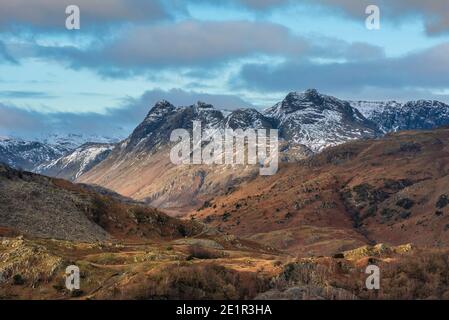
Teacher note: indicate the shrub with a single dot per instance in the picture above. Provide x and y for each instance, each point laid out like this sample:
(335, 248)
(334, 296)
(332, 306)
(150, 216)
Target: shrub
(18, 280)
(195, 282)
(199, 252)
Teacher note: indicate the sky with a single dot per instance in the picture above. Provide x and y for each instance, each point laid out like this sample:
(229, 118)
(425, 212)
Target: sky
(128, 54)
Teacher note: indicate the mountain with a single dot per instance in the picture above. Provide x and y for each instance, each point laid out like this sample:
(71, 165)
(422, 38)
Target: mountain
(71, 141)
(27, 154)
(319, 121)
(249, 119)
(140, 166)
(155, 130)
(45, 150)
(392, 190)
(77, 162)
(392, 116)
(308, 122)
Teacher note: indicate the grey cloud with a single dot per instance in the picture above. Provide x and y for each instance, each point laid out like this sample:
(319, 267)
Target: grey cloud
(353, 51)
(26, 123)
(203, 45)
(180, 97)
(263, 4)
(435, 13)
(50, 14)
(428, 69)
(258, 5)
(189, 43)
(13, 118)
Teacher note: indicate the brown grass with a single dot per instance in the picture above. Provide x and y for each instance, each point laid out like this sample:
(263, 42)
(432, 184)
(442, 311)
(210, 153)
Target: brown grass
(194, 281)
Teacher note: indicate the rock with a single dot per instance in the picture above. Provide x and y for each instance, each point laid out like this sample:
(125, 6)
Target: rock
(442, 202)
(405, 203)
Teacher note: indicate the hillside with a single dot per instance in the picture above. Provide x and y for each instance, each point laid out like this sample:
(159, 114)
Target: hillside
(43, 207)
(392, 190)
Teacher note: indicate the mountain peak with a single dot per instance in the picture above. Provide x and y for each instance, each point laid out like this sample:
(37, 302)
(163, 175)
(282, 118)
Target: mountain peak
(311, 93)
(203, 105)
(163, 104)
(161, 108)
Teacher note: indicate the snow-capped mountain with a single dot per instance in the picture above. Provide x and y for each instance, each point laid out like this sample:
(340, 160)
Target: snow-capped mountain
(306, 120)
(140, 166)
(75, 163)
(71, 141)
(310, 119)
(248, 119)
(32, 155)
(18, 153)
(392, 116)
(163, 118)
(319, 121)
(370, 108)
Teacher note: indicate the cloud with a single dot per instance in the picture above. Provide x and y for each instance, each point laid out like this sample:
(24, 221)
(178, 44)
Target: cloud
(257, 5)
(435, 13)
(117, 121)
(180, 97)
(50, 14)
(263, 4)
(427, 69)
(24, 94)
(188, 44)
(5, 56)
(200, 45)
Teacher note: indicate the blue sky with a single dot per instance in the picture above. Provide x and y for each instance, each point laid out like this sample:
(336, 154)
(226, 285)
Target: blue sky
(128, 54)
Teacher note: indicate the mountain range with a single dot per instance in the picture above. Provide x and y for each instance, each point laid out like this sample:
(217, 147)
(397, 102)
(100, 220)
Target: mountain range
(139, 166)
(308, 122)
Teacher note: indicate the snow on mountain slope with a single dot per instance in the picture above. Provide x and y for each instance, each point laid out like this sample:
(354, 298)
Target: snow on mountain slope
(319, 121)
(71, 141)
(77, 162)
(306, 121)
(248, 119)
(18, 153)
(369, 108)
(392, 116)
